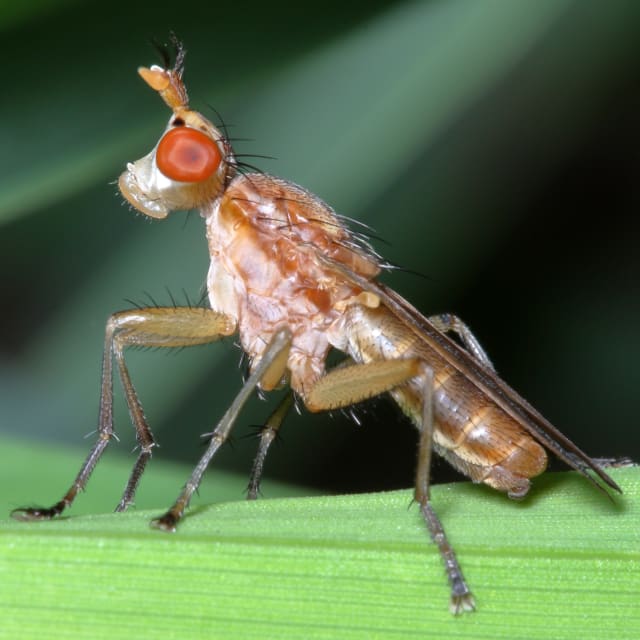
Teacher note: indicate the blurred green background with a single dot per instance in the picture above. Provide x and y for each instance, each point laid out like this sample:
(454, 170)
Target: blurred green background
(492, 145)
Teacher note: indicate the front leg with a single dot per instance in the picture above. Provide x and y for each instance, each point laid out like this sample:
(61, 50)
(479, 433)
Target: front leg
(147, 327)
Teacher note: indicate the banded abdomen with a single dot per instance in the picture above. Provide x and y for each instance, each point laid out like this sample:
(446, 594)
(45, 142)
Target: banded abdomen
(471, 431)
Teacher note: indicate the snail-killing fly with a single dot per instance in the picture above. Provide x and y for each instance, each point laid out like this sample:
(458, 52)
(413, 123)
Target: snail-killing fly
(289, 278)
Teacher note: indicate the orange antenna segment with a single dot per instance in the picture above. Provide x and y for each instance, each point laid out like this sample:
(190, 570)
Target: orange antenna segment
(167, 83)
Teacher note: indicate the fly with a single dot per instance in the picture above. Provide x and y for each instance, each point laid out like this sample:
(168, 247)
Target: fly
(294, 283)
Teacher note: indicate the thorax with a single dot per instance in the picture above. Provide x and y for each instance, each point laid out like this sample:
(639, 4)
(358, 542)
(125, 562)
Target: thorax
(265, 236)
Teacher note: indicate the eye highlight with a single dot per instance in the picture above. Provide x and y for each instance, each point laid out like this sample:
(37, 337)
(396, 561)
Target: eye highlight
(187, 155)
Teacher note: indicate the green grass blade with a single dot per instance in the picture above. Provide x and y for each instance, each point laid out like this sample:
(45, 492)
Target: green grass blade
(563, 564)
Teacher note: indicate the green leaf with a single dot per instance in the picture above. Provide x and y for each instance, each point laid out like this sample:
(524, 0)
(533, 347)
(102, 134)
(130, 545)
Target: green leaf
(565, 563)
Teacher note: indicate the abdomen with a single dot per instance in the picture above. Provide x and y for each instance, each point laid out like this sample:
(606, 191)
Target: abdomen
(471, 431)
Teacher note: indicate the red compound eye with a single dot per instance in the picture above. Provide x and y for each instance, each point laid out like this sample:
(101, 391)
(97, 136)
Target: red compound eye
(187, 155)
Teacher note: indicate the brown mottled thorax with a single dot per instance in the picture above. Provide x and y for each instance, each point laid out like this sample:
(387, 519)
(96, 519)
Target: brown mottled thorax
(264, 239)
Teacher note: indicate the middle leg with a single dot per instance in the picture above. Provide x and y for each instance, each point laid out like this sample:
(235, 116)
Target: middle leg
(271, 367)
(268, 434)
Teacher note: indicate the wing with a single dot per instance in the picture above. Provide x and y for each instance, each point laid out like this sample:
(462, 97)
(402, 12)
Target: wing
(484, 379)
